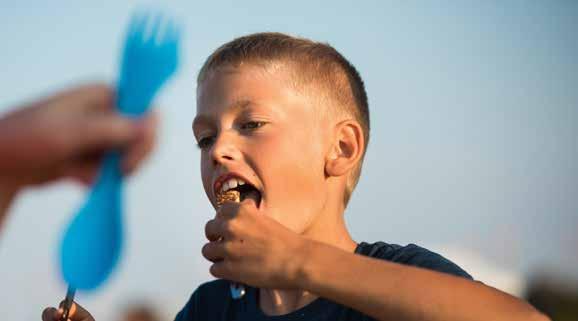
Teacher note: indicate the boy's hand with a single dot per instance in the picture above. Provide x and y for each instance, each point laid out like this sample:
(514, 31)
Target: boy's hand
(249, 247)
(77, 313)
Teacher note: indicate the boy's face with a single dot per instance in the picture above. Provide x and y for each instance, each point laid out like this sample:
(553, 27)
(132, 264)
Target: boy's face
(251, 125)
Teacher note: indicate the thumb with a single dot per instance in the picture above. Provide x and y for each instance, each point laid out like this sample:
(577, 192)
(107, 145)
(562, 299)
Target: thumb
(77, 313)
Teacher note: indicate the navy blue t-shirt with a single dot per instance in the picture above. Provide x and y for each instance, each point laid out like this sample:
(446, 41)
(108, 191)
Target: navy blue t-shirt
(212, 300)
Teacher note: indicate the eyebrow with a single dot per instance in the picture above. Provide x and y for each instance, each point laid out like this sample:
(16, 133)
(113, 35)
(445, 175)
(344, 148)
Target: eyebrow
(238, 104)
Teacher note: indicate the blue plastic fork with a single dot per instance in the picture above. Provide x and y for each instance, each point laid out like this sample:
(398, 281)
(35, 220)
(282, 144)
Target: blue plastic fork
(93, 241)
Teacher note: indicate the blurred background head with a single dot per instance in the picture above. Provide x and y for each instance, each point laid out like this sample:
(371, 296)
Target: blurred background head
(473, 151)
(139, 311)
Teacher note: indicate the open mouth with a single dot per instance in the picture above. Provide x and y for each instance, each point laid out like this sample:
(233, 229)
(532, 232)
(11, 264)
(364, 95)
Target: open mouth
(237, 190)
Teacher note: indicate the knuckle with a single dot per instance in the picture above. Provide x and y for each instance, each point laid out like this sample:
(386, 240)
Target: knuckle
(209, 227)
(229, 208)
(99, 88)
(99, 93)
(46, 313)
(231, 227)
(215, 270)
(205, 249)
(228, 227)
(231, 251)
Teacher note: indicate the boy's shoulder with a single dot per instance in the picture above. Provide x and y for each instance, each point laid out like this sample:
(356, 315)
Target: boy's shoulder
(411, 254)
(208, 302)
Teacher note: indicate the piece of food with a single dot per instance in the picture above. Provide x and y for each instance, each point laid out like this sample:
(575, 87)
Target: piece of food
(230, 195)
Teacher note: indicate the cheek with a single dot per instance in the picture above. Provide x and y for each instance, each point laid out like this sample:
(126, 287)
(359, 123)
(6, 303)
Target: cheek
(293, 171)
(290, 161)
(206, 174)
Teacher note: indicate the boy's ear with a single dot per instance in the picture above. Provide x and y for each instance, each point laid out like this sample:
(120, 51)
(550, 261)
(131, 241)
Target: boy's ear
(346, 149)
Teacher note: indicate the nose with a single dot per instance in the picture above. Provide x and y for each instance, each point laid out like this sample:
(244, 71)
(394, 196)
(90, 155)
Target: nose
(224, 149)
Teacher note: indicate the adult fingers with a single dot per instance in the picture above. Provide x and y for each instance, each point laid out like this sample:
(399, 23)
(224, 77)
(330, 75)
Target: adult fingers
(84, 168)
(87, 97)
(77, 312)
(101, 132)
(50, 314)
(142, 146)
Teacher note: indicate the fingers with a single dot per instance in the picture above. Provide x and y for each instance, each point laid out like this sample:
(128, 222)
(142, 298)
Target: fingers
(76, 313)
(214, 251)
(225, 233)
(91, 117)
(96, 96)
(228, 210)
(142, 146)
(136, 138)
(222, 226)
(51, 314)
(222, 270)
(103, 131)
(71, 311)
(84, 171)
(88, 97)
(228, 222)
(214, 230)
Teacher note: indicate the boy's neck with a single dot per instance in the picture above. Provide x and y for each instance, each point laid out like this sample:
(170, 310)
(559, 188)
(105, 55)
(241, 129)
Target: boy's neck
(328, 229)
(279, 302)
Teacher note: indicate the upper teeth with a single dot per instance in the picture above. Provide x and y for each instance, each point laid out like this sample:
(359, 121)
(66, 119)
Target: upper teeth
(231, 183)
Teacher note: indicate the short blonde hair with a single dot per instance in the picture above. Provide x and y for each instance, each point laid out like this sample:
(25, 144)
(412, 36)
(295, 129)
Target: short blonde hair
(314, 62)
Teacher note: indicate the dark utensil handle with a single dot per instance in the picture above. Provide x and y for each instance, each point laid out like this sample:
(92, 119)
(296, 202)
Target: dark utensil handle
(67, 303)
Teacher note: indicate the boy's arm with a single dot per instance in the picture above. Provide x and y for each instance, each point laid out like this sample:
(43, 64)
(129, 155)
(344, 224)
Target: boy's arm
(387, 291)
(249, 247)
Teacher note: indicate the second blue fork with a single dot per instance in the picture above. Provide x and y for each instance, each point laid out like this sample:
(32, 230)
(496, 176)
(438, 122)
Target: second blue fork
(92, 243)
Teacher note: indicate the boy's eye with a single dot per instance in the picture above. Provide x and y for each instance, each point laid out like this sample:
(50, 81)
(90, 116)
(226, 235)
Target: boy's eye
(252, 125)
(205, 142)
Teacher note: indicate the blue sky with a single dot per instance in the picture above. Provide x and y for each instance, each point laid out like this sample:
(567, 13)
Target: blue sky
(474, 122)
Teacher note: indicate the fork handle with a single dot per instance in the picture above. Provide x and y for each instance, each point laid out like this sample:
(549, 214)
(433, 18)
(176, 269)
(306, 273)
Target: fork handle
(110, 175)
(133, 105)
(67, 304)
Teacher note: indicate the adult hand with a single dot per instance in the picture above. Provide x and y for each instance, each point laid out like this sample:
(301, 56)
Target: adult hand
(66, 135)
(77, 313)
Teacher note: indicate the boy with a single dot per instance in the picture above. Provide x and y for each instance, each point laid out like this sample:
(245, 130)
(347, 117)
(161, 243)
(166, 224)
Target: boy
(283, 125)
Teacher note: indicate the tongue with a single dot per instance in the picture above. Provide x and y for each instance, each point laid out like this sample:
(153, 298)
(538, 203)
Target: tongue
(253, 195)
